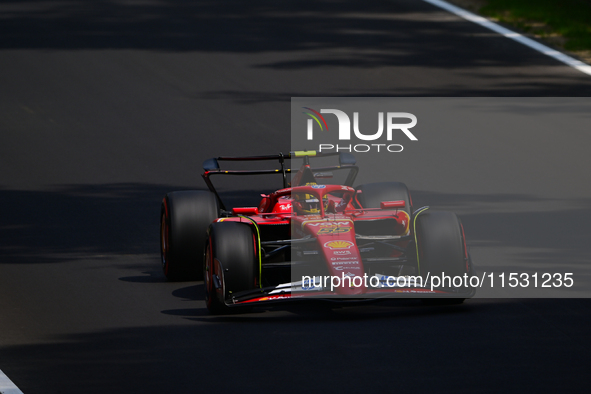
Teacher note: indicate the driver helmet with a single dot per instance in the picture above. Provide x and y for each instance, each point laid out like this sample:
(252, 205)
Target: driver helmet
(308, 204)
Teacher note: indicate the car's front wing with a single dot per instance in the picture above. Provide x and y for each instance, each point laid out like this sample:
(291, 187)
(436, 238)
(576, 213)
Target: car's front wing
(295, 292)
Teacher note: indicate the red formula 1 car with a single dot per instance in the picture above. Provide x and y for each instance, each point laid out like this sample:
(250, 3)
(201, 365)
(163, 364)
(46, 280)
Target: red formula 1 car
(311, 239)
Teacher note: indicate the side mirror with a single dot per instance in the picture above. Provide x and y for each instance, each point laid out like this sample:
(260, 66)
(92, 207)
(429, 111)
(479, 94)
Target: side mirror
(245, 211)
(392, 204)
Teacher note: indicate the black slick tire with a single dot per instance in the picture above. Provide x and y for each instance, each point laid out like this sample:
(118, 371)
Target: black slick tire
(441, 249)
(184, 219)
(231, 264)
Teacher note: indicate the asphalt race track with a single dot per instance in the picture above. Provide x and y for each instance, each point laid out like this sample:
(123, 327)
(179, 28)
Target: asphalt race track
(107, 105)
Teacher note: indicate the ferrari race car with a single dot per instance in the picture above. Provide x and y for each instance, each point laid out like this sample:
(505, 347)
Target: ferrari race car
(312, 240)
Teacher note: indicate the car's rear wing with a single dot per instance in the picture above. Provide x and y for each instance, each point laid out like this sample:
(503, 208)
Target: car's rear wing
(212, 166)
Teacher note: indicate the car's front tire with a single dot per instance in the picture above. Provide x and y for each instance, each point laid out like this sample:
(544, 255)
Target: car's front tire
(231, 264)
(184, 219)
(441, 249)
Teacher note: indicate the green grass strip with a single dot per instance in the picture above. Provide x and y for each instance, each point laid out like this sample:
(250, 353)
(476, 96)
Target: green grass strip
(569, 18)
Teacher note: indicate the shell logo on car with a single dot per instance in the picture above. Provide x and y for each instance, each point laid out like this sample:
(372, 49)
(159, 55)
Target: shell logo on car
(338, 244)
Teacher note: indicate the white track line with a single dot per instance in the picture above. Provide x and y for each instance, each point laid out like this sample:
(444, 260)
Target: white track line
(569, 61)
(6, 385)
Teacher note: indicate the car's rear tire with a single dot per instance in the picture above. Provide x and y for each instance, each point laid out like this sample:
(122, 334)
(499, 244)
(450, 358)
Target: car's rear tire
(184, 219)
(441, 249)
(372, 194)
(231, 264)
